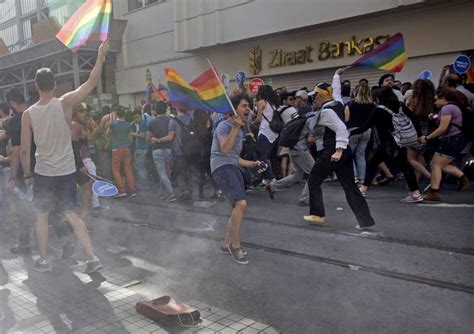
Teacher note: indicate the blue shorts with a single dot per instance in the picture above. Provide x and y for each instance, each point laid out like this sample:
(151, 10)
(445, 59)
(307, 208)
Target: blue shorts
(230, 181)
(54, 191)
(451, 146)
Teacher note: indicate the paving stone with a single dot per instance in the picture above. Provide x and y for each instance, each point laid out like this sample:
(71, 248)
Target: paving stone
(249, 330)
(259, 326)
(235, 317)
(247, 321)
(237, 326)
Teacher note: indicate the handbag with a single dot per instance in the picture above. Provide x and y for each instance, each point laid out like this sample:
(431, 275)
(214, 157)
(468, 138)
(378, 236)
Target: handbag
(169, 312)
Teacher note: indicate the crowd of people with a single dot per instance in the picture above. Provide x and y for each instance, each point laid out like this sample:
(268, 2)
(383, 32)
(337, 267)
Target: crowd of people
(361, 136)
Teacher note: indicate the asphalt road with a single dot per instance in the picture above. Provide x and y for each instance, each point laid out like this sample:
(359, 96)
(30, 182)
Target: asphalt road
(415, 275)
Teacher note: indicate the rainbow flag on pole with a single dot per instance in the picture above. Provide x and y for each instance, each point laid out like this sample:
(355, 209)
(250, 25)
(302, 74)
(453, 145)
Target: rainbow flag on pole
(390, 56)
(205, 92)
(152, 92)
(90, 22)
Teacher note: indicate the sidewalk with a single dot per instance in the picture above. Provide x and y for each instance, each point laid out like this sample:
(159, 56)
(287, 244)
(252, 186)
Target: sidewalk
(69, 301)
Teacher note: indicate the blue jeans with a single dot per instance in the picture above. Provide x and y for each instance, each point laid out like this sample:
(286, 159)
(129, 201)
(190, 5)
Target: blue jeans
(358, 144)
(264, 151)
(139, 164)
(162, 159)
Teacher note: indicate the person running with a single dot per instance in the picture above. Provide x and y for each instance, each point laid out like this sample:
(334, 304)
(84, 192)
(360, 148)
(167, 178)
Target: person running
(358, 112)
(267, 105)
(451, 143)
(48, 122)
(422, 104)
(301, 159)
(381, 121)
(119, 133)
(334, 155)
(225, 161)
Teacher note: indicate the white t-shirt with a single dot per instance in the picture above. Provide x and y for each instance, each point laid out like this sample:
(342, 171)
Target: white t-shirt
(288, 114)
(265, 125)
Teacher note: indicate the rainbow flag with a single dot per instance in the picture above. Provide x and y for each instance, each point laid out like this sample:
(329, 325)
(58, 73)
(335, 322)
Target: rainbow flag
(152, 92)
(90, 22)
(390, 56)
(205, 92)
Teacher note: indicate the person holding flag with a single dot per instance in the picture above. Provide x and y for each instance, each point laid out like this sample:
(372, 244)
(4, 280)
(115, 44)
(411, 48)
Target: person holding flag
(48, 122)
(225, 162)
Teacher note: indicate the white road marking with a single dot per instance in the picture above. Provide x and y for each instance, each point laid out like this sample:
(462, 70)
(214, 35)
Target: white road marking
(447, 205)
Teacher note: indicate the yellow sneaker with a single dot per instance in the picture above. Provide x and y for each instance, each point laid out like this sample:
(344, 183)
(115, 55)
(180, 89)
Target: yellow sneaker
(314, 219)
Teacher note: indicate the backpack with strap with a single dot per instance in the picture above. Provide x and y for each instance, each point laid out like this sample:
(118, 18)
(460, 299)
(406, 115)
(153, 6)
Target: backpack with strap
(404, 132)
(291, 133)
(189, 139)
(276, 124)
(467, 127)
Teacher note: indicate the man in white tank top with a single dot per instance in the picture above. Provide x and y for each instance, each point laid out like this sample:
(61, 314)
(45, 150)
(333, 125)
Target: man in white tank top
(48, 122)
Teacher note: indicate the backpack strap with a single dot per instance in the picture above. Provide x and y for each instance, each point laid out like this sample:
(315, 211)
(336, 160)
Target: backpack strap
(180, 122)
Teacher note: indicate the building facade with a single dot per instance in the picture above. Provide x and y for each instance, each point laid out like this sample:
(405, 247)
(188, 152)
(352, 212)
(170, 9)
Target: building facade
(288, 43)
(27, 42)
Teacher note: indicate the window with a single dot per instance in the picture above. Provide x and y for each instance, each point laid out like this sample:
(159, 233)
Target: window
(137, 4)
(134, 4)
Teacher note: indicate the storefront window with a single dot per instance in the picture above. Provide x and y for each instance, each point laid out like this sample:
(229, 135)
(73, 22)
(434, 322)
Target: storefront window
(134, 4)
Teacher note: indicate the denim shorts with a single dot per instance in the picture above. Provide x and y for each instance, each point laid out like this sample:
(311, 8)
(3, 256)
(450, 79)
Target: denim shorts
(451, 146)
(54, 191)
(230, 181)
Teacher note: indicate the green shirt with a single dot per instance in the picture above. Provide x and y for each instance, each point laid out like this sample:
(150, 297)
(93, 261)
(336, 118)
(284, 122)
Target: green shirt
(120, 130)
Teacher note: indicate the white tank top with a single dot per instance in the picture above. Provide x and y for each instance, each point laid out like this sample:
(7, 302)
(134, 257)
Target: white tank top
(52, 136)
(265, 126)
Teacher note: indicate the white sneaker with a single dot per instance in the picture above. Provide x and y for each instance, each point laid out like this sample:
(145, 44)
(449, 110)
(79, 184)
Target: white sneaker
(412, 199)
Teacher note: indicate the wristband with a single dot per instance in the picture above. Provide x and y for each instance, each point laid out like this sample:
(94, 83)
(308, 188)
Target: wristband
(28, 177)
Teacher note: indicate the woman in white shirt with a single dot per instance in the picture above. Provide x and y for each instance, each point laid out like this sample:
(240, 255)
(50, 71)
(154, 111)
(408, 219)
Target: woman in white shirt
(267, 105)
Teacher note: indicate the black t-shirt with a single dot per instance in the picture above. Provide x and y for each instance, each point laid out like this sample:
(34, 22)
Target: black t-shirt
(360, 113)
(159, 128)
(14, 131)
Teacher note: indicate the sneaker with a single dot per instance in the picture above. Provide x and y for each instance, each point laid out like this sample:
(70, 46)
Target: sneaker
(464, 183)
(133, 194)
(365, 228)
(270, 191)
(41, 265)
(315, 219)
(120, 195)
(363, 192)
(225, 250)
(238, 255)
(427, 188)
(412, 199)
(171, 199)
(432, 196)
(93, 265)
(100, 208)
(303, 202)
(20, 250)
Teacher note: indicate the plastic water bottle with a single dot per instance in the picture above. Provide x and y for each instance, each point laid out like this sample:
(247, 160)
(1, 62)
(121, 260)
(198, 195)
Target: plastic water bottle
(20, 194)
(29, 193)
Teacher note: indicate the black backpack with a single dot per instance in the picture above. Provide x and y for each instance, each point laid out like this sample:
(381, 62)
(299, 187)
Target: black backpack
(291, 133)
(276, 124)
(467, 128)
(189, 139)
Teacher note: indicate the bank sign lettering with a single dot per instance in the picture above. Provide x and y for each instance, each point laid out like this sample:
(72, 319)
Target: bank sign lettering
(326, 50)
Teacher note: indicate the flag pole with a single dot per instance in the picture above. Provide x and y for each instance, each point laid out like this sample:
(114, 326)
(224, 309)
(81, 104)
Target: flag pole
(222, 86)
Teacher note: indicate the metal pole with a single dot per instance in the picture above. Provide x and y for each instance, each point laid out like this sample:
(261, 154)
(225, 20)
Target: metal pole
(75, 69)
